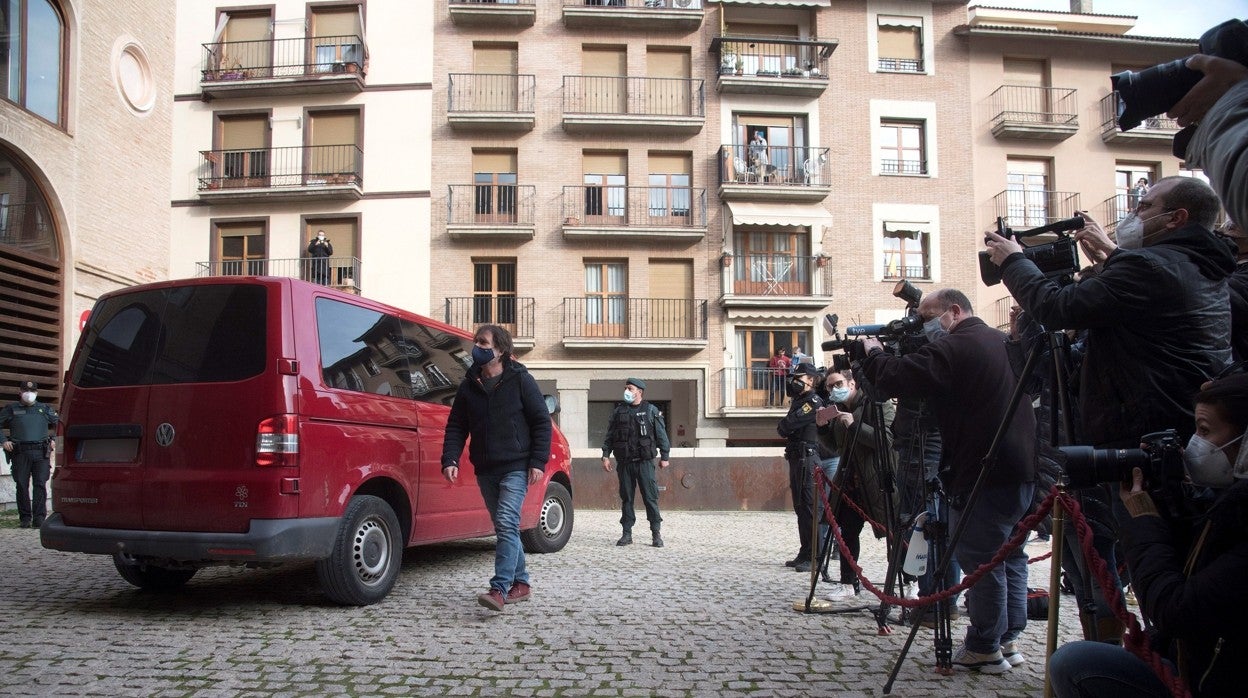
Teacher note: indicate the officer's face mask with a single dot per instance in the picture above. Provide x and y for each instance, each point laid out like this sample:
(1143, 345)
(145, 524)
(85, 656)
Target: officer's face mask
(482, 355)
(629, 396)
(1207, 464)
(796, 387)
(28, 398)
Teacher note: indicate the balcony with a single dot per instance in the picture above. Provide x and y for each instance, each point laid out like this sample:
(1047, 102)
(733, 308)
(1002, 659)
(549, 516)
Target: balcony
(342, 273)
(270, 67)
(899, 65)
(746, 392)
(598, 212)
(1034, 113)
(1030, 208)
(493, 13)
(664, 106)
(773, 173)
(776, 280)
(491, 211)
(1115, 208)
(903, 167)
(618, 322)
(282, 174)
(895, 272)
(514, 313)
(491, 102)
(792, 67)
(1155, 130)
(649, 15)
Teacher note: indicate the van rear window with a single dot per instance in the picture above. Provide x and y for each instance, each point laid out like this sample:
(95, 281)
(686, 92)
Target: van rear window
(186, 334)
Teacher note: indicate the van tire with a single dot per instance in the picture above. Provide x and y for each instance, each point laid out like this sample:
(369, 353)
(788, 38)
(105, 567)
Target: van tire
(367, 554)
(554, 524)
(151, 577)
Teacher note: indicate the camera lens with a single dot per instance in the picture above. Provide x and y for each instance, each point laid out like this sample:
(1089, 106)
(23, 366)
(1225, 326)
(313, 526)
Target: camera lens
(1086, 466)
(1152, 91)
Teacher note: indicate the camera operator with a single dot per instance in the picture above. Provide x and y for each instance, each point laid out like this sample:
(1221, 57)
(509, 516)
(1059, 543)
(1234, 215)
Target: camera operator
(1188, 579)
(967, 381)
(1157, 313)
(802, 453)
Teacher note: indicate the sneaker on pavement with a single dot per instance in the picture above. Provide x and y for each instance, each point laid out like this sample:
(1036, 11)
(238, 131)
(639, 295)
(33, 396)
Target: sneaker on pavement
(841, 592)
(990, 663)
(626, 539)
(910, 590)
(492, 599)
(1009, 650)
(518, 592)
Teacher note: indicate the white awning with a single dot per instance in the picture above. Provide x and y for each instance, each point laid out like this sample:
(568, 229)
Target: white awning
(894, 21)
(747, 213)
(910, 229)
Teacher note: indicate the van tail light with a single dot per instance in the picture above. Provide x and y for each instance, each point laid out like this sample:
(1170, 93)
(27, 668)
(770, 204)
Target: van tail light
(277, 441)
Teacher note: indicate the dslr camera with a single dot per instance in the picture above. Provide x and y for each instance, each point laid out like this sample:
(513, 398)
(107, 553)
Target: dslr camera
(1160, 459)
(1057, 259)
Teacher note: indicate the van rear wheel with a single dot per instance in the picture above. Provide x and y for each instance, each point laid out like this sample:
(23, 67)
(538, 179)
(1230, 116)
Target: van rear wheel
(554, 525)
(367, 554)
(150, 577)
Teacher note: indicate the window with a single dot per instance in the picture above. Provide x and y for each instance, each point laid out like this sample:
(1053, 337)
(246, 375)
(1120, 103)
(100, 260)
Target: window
(606, 188)
(334, 156)
(25, 219)
(782, 152)
(605, 87)
(336, 39)
(494, 294)
(907, 251)
(343, 267)
(1027, 192)
(243, 44)
(494, 186)
(241, 249)
(1130, 184)
(771, 263)
(900, 44)
(495, 83)
(244, 150)
(32, 46)
(754, 383)
(668, 89)
(670, 194)
(606, 300)
(901, 148)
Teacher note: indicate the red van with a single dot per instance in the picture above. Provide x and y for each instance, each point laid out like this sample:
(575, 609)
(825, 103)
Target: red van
(256, 420)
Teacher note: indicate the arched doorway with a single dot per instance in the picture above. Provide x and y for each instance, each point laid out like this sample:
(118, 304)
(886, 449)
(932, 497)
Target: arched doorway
(31, 285)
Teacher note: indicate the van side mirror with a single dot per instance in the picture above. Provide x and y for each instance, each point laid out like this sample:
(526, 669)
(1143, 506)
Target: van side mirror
(552, 404)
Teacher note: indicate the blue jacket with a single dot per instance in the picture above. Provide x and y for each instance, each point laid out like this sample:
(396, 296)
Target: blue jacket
(507, 429)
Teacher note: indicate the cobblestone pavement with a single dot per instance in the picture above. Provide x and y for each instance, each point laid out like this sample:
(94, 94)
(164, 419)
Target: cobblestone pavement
(710, 614)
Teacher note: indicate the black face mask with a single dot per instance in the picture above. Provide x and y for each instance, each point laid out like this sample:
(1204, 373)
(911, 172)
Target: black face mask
(795, 387)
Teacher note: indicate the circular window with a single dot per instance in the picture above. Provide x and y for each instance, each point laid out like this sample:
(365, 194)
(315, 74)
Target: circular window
(133, 74)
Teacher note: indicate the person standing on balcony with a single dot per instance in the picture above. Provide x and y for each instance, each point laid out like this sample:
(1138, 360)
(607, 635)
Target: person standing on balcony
(320, 249)
(635, 431)
(1137, 193)
(778, 367)
(758, 152)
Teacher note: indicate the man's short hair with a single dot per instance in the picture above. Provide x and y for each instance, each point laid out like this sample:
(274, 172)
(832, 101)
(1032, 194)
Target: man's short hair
(947, 297)
(500, 336)
(1198, 198)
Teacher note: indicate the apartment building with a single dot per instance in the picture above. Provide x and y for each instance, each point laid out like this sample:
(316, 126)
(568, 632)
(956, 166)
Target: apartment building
(295, 117)
(676, 188)
(1044, 133)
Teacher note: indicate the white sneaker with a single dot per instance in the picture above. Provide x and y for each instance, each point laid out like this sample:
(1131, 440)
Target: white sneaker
(1009, 651)
(841, 592)
(993, 663)
(910, 590)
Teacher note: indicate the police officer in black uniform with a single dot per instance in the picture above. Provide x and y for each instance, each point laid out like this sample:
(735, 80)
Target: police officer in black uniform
(29, 449)
(802, 453)
(635, 430)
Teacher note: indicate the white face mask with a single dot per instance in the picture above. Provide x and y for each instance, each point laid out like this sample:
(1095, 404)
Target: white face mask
(1130, 230)
(1207, 464)
(629, 396)
(29, 398)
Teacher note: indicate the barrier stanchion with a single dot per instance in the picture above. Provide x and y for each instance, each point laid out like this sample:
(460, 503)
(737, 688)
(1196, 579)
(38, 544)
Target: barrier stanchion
(1055, 589)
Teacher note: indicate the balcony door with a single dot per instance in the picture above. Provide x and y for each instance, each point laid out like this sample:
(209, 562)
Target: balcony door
(756, 385)
(1027, 192)
(494, 187)
(772, 263)
(335, 44)
(606, 87)
(1127, 193)
(670, 313)
(241, 248)
(606, 299)
(669, 91)
(244, 146)
(785, 148)
(247, 43)
(606, 188)
(333, 157)
(344, 233)
(1031, 77)
(670, 196)
(494, 294)
(495, 85)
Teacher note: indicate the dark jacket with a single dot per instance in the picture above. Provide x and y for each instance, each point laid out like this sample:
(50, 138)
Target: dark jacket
(507, 428)
(1237, 285)
(967, 381)
(1205, 610)
(625, 437)
(798, 426)
(316, 249)
(858, 473)
(1158, 322)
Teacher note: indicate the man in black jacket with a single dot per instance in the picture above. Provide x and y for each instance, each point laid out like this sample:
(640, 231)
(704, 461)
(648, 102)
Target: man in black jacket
(501, 413)
(1157, 313)
(967, 380)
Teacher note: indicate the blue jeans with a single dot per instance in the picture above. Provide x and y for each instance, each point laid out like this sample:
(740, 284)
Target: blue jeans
(829, 467)
(998, 602)
(503, 495)
(1097, 670)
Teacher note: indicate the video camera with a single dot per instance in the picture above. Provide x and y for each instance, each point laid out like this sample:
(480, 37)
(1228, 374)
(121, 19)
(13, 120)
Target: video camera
(1057, 259)
(1157, 89)
(898, 336)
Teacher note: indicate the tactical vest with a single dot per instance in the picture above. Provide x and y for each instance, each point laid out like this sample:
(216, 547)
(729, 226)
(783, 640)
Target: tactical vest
(632, 432)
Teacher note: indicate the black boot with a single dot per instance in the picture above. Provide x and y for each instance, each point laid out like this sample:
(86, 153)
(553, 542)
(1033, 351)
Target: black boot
(626, 539)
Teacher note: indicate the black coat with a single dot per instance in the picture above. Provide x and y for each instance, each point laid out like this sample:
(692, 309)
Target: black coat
(967, 381)
(1238, 286)
(1158, 322)
(507, 428)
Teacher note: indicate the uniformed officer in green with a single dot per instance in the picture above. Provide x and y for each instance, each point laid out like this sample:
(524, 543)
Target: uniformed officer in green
(29, 449)
(636, 429)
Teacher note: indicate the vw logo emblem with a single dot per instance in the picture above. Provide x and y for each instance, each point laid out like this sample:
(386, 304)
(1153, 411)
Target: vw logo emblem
(164, 434)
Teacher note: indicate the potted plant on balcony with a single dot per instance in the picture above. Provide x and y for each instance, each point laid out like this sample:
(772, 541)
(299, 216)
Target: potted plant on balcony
(727, 62)
(768, 73)
(231, 69)
(792, 73)
(740, 65)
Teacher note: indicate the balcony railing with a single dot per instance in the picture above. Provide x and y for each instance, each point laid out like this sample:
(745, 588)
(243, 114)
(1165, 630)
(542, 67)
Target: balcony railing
(1021, 111)
(517, 13)
(1028, 208)
(339, 272)
(498, 93)
(753, 387)
(620, 317)
(593, 205)
(515, 313)
(909, 167)
(805, 59)
(1159, 129)
(276, 168)
(899, 65)
(774, 165)
(779, 274)
(660, 15)
(594, 94)
(267, 59)
(492, 204)
(1115, 208)
(893, 271)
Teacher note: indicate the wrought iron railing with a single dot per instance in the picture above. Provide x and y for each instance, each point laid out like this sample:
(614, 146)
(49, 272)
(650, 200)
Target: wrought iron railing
(621, 317)
(271, 168)
(801, 166)
(779, 274)
(1116, 207)
(339, 272)
(525, 3)
(515, 313)
(1111, 104)
(769, 57)
(283, 58)
(1001, 313)
(599, 94)
(619, 205)
(649, 4)
(491, 204)
(501, 93)
(1044, 106)
(1028, 208)
(911, 167)
(893, 271)
(900, 65)
(753, 387)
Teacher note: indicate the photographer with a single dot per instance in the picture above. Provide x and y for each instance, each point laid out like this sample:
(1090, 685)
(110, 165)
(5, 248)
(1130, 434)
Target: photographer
(968, 382)
(1219, 103)
(1157, 313)
(802, 453)
(1188, 579)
